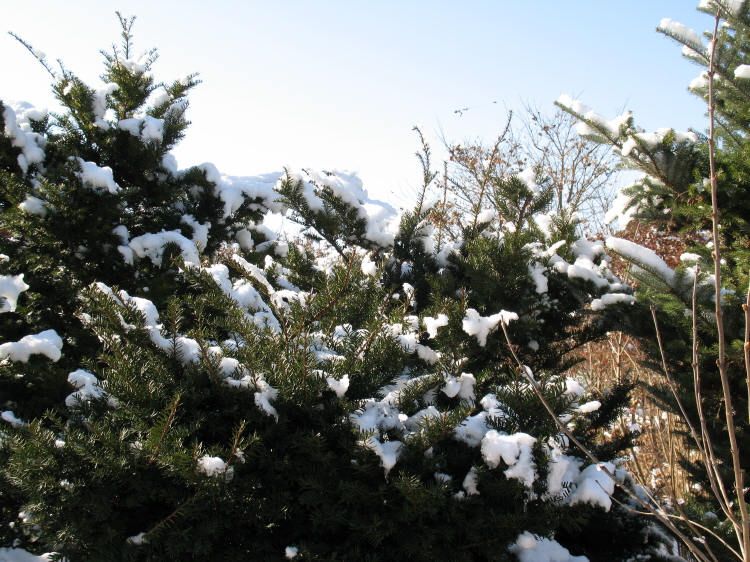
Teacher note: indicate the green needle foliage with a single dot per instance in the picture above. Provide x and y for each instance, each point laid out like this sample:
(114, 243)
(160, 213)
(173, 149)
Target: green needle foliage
(348, 396)
(674, 195)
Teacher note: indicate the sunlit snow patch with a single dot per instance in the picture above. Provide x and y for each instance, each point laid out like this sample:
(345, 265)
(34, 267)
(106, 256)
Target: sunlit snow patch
(544, 550)
(44, 343)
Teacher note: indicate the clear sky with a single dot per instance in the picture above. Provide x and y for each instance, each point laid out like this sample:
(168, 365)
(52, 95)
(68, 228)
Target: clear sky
(340, 83)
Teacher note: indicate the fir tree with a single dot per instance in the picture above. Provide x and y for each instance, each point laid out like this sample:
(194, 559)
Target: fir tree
(94, 195)
(675, 195)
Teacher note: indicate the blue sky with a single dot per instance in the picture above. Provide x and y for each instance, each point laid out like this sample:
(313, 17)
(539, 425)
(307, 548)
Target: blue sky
(339, 84)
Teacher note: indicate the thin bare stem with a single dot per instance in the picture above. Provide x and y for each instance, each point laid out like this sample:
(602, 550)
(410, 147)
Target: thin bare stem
(739, 473)
(691, 522)
(702, 441)
(694, 528)
(672, 384)
(717, 484)
(746, 308)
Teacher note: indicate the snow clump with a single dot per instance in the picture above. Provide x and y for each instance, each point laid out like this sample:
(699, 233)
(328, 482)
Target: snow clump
(463, 386)
(733, 5)
(526, 540)
(148, 128)
(619, 210)
(638, 254)
(613, 127)
(432, 324)
(514, 450)
(611, 298)
(595, 487)
(20, 555)
(681, 31)
(388, 451)
(545, 550)
(213, 466)
(96, 177)
(87, 388)
(138, 539)
(44, 343)
(528, 178)
(17, 117)
(99, 104)
(339, 386)
(481, 326)
(10, 417)
(10, 287)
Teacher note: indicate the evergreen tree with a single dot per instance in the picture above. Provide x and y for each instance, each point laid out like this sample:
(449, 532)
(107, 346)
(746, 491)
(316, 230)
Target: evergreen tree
(354, 397)
(675, 195)
(94, 195)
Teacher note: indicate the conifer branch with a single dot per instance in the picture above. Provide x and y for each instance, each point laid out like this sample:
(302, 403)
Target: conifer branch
(236, 443)
(302, 324)
(99, 435)
(176, 513)
(34, 52)
(730, 134)
(305, 354)
(366, 344)
(427, 174)
(210, 363)
(443, 219)
(480, 543)
(340, 293)
(167, 425)
(127, 36)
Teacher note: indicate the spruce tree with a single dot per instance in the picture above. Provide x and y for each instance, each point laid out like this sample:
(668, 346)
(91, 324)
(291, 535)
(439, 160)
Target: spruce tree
(352, 396)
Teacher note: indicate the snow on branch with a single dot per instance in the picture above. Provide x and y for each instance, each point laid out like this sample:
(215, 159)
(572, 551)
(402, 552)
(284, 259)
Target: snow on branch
(319, 190)
(387, 451)
(481, 326)
(96, 177)
(734, 6)
(593, 124)
(215, 467)
(10, 417)
(10, 287)
(44, 343)
(644, 257)
(530, 549)
(680, 32)
(87, 388)
(17, 118)
(515, 450)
